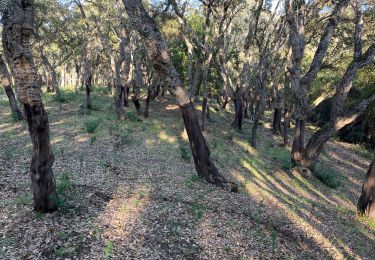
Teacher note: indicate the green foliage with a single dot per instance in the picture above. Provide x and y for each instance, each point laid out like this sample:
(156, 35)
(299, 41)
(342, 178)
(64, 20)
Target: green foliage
(198, 209)
(108, 250)
(231, 134)
(131, 116)
(282, 156)
(66, 96)
(189, 181)
(23, 199)
(63, 183)
(185, 152)
(326, 175)
(92, 124)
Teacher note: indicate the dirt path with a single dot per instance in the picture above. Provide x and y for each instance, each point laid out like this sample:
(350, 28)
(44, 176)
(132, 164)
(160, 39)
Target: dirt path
(129, 191)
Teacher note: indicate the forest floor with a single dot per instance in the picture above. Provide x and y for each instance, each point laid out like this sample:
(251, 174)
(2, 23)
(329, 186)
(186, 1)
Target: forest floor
(129, 191)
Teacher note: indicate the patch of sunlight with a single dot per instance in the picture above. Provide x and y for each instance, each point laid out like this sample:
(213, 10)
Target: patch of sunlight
(304, 225)
(318, 100)
(81, 139)
(246, 146)
(252, 169)
(167, 138)
(150, 142)
(184, 135)
(121, 215)
(198, 107)
(57, 139)
(61, 122)
(343, 202)
(310, 186)
(336, 157)
(7, 127)
(171, 107)
(213, 110)
(238, 176)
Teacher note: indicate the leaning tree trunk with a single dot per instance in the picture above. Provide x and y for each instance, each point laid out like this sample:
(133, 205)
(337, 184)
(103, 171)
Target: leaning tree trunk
(16, 44)
(6, 82)
(157, 52)
(366, 203)
(338, 118)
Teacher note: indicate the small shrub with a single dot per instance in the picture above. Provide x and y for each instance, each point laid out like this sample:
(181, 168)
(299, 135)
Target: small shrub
(93, 139)
(23, 199)
(65, 97)
(185, 152)
(198, 209)
(283, 156)
(108, 250)
(326, 175)
(63, 183)
(91, 125)
(231, 134)
(189, 181)
(131, 116)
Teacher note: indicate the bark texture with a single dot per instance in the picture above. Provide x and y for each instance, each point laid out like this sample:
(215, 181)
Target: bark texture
(18, 25)
(295, 16)
(6, 83)
(340, 118)
(366, 203)
(158, 54)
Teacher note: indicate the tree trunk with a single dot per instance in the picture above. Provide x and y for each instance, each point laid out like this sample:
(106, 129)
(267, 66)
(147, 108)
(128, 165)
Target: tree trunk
(258, 115)
(276, 125)
(52, 73)
(148, 99)
(16, 44)
(6, 82)
(204, 113)
(78, 69)
(287, 116)
(88, 84)
(138, 81)
(158, 54)
(366, 203)
(298, 142)
(13, 103)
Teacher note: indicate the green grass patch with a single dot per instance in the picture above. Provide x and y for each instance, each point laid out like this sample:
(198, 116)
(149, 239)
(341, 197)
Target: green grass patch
(92, 124)
(326, 175)
(283, 157)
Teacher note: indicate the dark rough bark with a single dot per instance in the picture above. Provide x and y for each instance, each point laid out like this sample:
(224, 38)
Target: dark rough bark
(239, 110)
(295, 11)
(138, 81)
(298, 142)
(52, 74)
(16, 44)
(204, 113)
(88, 85)
(338, 117)
(258, 115)
(158, 54)
(6, 82)
(276, 125)
(366, 203)
(287, 116)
